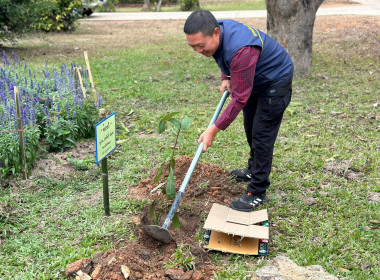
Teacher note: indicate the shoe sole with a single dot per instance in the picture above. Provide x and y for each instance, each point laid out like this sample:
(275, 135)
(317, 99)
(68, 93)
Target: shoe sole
(240, 179)
(251, 209)
(242, 210)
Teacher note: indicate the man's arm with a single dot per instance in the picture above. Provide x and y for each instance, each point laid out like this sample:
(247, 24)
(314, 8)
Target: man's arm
(243, 66)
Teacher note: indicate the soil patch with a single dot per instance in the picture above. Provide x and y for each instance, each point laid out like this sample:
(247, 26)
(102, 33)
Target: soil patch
(61, 165)
(146, 258)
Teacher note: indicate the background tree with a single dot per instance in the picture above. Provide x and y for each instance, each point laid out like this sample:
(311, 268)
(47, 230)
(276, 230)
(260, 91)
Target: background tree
(159, 5)
(291, 23)
(146, 6)
(15, 18)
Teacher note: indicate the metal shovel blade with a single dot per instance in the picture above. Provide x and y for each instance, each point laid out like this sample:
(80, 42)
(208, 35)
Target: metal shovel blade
(158, 233)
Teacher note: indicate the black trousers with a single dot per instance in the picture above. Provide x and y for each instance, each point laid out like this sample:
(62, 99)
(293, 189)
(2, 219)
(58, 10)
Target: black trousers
(262, 119)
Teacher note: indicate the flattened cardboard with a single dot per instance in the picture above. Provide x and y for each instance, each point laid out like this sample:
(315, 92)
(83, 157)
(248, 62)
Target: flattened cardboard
(234, 231)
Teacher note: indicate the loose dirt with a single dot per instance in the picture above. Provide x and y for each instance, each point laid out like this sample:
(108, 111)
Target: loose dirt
(146, 258)
(58, 165)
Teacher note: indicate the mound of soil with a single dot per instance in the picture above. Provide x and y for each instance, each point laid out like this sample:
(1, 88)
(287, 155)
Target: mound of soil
(147, 258)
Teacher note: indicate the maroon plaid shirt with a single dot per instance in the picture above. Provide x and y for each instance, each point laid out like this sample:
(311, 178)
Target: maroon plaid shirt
(243, 66)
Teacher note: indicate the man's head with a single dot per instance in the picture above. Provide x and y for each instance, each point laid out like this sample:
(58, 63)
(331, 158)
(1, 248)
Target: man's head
(202, 32)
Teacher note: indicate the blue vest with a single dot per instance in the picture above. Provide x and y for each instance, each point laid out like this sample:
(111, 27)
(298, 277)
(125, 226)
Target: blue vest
(274, 65)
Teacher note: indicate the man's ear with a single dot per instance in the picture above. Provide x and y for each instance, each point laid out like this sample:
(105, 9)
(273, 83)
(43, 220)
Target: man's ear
(216, 32)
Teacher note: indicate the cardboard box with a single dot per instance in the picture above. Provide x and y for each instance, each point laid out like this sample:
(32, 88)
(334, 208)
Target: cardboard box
(237, 232)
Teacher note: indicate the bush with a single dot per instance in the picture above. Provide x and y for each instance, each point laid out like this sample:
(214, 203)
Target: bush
(189, 5)
(18, 17)
(15, 19)
(56, 15)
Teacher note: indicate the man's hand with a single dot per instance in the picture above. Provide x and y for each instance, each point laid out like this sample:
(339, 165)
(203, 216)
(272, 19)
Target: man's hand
(226, 85)
(208, 136)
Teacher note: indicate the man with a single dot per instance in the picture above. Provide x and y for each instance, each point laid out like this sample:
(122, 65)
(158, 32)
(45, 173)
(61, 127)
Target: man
(258, 73)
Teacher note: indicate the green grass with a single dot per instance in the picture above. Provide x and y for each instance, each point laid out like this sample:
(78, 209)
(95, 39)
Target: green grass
(316, 216)
(240, 5)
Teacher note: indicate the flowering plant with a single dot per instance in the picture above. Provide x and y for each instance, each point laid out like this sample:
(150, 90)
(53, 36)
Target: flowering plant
(52, 107)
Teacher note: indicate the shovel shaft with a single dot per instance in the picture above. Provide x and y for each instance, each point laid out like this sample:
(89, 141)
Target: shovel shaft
(194, 162)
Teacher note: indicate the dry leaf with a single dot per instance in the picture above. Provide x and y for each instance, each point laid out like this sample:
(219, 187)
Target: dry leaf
(82, 276)
(125, 270)
(341, 269)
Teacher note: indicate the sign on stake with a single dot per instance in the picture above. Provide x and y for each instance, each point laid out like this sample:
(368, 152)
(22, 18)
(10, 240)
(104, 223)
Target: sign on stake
(105, 142)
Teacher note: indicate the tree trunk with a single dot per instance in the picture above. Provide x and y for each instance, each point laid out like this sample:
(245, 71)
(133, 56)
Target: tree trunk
(291, 22)
(159, 5)
(146, 6)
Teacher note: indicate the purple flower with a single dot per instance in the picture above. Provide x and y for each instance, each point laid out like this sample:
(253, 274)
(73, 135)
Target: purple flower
(5, 59)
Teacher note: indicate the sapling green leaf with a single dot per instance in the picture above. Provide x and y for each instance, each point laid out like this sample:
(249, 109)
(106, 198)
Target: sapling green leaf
(186, 123)
(170, 115)
(170, 186)
(161, 126)
(172, 163)
(163, 120)
(157, 178)
(176, 222)
(176, 123)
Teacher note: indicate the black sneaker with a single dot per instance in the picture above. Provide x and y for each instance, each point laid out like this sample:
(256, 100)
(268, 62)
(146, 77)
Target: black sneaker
(249, 201)
(241, 175)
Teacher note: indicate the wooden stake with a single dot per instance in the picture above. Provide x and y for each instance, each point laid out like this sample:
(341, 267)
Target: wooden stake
(79, 77)
(90, 76)
(20, 134)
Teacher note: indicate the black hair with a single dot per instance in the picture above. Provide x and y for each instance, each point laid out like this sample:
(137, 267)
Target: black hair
(201, 21)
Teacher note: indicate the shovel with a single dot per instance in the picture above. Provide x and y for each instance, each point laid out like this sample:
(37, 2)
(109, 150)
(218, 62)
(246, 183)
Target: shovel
(162, 233)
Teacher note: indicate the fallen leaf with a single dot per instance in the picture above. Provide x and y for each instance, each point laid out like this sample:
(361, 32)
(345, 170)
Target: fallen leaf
(125, 270)
(111, 260)
(341, 269)
(82, 276)
(374, 221)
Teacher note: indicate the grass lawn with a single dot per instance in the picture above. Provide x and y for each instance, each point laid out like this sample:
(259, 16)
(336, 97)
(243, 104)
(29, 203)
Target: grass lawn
(239, 5)
(324, 198)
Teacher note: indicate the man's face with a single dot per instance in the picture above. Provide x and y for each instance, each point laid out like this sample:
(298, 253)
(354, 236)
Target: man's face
(206, 45)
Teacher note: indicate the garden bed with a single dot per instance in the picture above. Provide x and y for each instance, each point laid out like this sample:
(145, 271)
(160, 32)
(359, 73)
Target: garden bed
(149, 259)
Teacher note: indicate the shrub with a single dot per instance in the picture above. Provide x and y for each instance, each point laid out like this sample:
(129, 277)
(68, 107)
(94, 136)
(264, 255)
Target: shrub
(52, 106)
(188, 5)
(18, 17)
(56, 15)
(15, 19)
